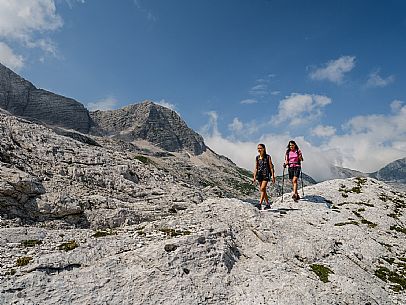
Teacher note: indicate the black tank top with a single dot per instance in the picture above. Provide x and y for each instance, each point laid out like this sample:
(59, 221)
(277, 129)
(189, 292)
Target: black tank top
(263, 166)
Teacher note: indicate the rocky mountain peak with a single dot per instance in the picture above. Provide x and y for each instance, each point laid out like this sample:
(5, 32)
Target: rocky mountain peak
(152, 122)
(394, 171)
(22, 98)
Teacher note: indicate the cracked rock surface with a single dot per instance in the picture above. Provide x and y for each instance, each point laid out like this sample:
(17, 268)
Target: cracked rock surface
(223, 251)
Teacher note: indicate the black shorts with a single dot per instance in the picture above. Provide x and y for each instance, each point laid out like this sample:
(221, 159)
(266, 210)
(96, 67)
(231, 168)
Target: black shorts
(262, 177)
(294, 171)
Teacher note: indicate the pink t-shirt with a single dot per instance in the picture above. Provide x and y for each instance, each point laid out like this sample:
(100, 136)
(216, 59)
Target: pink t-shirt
(293, 158)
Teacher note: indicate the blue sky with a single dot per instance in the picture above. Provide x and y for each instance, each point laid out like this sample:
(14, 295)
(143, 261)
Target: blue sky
(330, 74)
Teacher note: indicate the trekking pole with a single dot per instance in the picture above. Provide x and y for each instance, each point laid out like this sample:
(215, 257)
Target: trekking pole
(301, 178)
(283, 179)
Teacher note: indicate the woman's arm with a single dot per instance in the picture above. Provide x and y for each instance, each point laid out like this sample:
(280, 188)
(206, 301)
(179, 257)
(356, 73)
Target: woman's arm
(271, 167)
(286, 160)
(255, 172)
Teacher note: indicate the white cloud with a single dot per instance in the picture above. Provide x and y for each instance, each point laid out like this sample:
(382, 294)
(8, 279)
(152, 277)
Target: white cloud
(236, 126)
(148, 13)
(275, 92)
(20, 19)
(369, 143)
(323, 131)
(166, 104)
(298, 109)
(261, 87)
(211, 126)
(372, 141)
(9, 58)
(108, 103)
(240, 129)
(396, 106)
(71, 3)
(46, 45)
(375, 80)
(249, 101)
(259, 90)
(28, 23)
(334, 70)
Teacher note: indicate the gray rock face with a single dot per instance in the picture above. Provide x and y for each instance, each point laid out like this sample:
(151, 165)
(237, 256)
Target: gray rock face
(393, 172)
(22, 98)
(85, 181)
(148, 121)
(326, 249)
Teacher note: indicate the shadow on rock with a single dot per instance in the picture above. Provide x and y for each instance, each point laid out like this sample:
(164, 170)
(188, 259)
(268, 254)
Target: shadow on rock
(317, 199)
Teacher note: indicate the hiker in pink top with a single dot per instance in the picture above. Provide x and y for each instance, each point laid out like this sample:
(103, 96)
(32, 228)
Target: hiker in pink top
(293, 157)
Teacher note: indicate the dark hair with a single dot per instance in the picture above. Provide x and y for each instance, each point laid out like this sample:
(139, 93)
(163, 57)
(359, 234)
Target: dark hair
(263, 146)
(294, 143)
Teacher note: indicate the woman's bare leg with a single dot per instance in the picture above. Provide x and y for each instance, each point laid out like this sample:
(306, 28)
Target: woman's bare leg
(264, 195)
(294, 182)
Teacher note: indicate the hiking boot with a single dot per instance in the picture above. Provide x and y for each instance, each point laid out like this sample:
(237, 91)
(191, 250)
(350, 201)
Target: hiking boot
(258, 206)
(267, 206)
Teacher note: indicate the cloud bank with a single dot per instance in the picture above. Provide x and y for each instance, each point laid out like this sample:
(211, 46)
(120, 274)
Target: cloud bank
(367, 143)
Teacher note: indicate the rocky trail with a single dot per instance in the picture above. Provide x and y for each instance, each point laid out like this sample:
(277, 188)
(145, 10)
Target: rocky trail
(343, 243)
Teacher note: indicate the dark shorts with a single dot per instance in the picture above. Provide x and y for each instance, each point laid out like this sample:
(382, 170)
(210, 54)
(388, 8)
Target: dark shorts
(262, 177)
(294, 171)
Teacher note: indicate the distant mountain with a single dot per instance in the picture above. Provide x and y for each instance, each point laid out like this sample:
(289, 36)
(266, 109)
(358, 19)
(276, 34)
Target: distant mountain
(145, 121)
(338, 172)
(20, 97)
(393, 172)
(148, 121)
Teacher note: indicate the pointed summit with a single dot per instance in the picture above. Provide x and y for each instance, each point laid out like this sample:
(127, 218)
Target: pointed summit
(22, 98)
(149, 121)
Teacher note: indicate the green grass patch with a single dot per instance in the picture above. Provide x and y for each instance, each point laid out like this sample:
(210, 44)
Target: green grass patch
(357, 203)
(356, 189)
(399, 229)
(68, 246)
(173, 232)
(24, 260)
(103, 233)
(364, 221)
(340, 224)
(389, 260)
(321, 271)
(31, 242)
(360, 181)
(244, 188)
(387, 275)
(141, 233)
(144, 159)
(244, 172)
(11, 272)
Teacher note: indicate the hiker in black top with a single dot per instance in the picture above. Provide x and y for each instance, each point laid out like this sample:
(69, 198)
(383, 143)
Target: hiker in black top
(262, 172)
